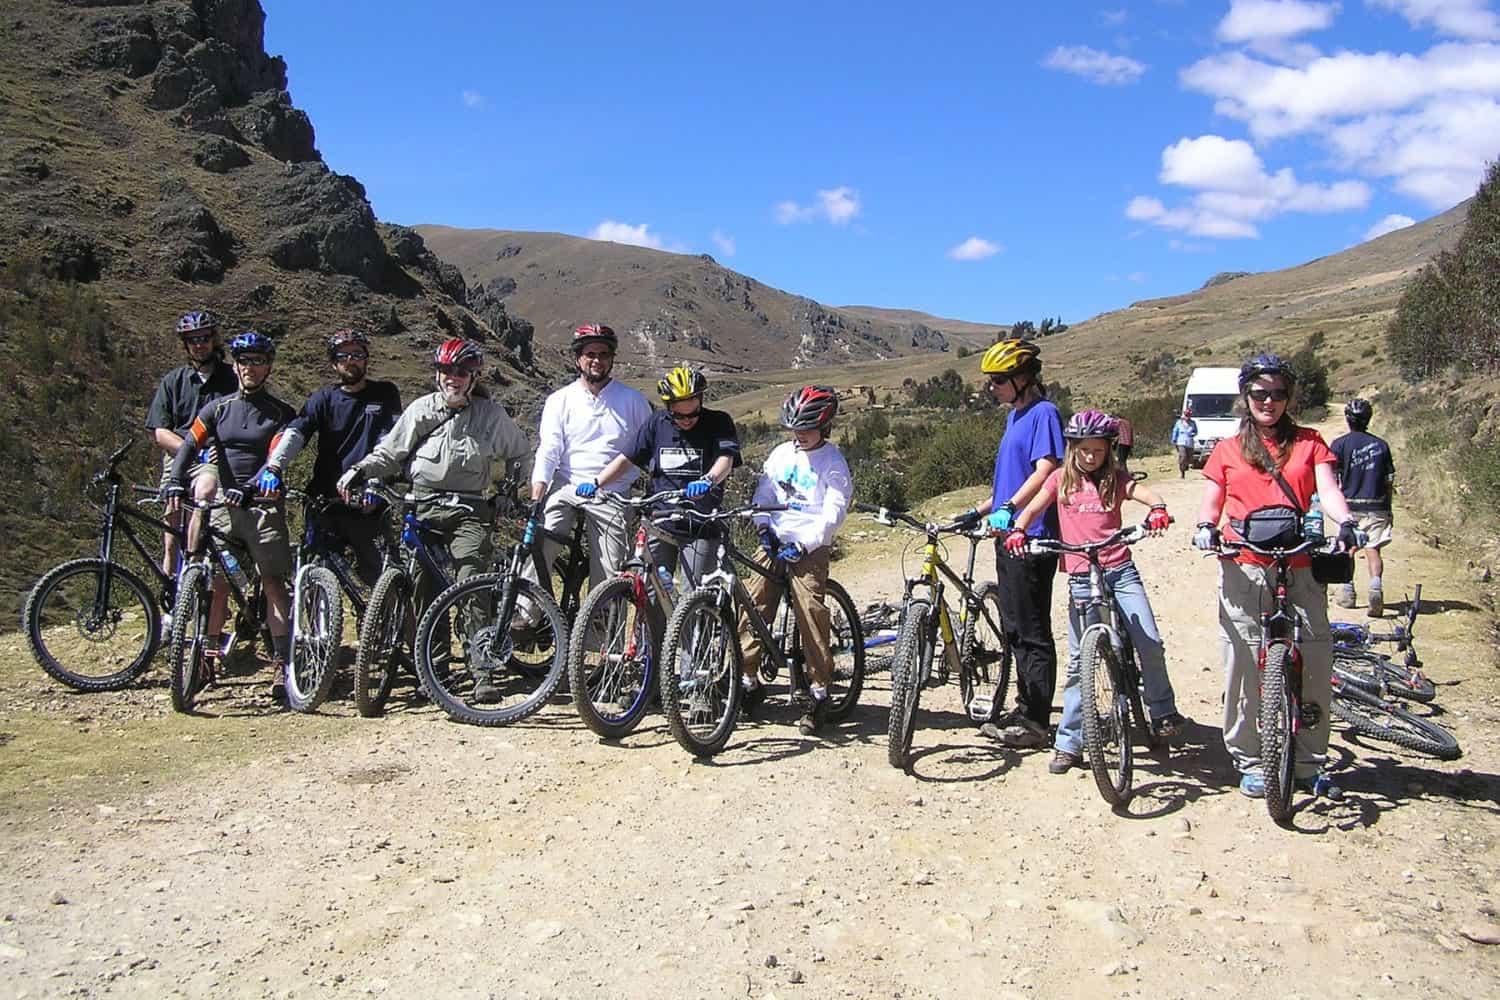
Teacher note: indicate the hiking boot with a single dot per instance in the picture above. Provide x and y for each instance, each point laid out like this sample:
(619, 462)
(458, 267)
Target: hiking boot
(278, 682)
(1015, 730)
(815, 718)
(1320, 785)
(751, 700)
(1377, 603)
(1169, 725)
(485, 691)
(1344, 596)
(1253, 786)
(1064, 761)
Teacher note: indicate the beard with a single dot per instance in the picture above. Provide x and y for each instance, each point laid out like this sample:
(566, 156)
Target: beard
(596, 379)
(349, 378)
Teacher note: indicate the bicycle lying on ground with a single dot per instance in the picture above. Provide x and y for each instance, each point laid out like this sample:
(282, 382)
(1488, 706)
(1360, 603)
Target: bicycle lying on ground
(94, 624)
(1109, 678)
(976, 651)
(701, 656)
(1357, 660)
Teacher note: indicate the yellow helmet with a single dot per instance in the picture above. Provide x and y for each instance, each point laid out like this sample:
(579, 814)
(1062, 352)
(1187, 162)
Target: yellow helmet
(1011, 357)
(681, 383)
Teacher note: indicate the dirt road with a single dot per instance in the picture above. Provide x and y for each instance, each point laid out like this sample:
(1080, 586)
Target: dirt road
(258, 854)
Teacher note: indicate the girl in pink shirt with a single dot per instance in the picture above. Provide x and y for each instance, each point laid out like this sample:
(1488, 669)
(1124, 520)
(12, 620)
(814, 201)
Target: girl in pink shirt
(1089, 490)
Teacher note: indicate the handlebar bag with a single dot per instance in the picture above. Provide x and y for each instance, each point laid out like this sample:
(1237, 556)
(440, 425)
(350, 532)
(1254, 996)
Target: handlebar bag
(1277, 527)
(1333, 567)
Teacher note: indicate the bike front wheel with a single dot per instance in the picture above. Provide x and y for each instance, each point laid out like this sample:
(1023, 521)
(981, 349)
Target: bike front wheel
(1376, 673)
(984, 657)
(1376, 718)
(384, 642)
(1278, 713)
(913, 652)
(611, 658)
(1105, 706)
(483, 671)
(317, 632)
(700, 672)
(92, 625)
(189, 653)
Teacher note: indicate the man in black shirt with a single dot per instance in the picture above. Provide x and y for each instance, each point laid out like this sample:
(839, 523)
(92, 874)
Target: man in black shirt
(348, 419)
(1367, 477)
(182, 393)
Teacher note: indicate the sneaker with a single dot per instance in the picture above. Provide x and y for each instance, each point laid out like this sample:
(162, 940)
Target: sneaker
(1064, 761)
(1320, 785)
(485, 691)
(816, 716)
(751, 700)
(1344, 596)
(1377, 603)
(1015, 730)
(1169, 725)
(1253, 786)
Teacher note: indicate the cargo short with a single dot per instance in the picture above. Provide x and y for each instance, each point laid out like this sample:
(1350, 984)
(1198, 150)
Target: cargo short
(1376, 524)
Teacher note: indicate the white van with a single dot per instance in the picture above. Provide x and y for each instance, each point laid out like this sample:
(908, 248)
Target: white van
(1212, 392)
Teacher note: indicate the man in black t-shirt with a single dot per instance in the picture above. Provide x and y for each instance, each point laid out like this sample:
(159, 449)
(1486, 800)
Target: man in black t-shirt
(349, 419)
(1367, 477)
(685, 447)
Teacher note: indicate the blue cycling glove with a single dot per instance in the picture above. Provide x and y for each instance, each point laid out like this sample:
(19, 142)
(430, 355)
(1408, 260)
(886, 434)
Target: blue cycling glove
(791, 552)
(586, 490)
(1002, 516)
(697, 488)
(268, 482)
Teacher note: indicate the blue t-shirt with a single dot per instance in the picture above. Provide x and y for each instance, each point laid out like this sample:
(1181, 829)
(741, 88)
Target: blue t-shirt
(348, 426)
(1031, 435)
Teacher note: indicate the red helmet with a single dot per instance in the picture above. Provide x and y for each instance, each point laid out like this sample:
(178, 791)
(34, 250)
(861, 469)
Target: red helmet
(458, 351)
(594, 333)
(810, 408)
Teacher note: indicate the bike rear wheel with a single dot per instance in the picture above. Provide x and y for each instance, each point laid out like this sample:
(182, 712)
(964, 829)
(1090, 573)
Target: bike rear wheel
(317, 633)
(984, 657)
(1379, 719)
(482, 671)
(87, 635)
(189, 639)
(1105, 706)
(383, 642)
(1278, 711)
(611, 657)
(700, 672)
(1373, 671)
(913, 653)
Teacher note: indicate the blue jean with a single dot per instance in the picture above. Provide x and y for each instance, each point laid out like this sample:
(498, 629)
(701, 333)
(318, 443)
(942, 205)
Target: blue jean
(1150, 655)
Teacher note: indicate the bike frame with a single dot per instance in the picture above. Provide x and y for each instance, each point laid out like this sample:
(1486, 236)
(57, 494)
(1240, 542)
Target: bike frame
(934, 569)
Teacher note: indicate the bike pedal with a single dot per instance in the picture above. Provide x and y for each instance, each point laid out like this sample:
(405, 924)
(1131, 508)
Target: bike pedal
(980, 707)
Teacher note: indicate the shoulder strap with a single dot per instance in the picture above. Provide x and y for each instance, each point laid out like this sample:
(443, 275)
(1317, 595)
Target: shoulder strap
(1276, 474)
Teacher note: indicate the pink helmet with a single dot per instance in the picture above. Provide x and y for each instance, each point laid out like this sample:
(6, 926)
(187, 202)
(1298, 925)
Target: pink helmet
(1091, 424)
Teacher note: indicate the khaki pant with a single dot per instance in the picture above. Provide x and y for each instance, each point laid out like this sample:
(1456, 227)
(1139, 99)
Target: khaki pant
(466, 532)
(1245, 591)
(809, 580)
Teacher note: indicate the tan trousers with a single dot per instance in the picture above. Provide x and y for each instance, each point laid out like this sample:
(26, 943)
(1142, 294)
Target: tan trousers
(809, 580)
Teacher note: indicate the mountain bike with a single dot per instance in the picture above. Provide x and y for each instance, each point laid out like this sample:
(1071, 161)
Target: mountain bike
(491, 649)
(194, 665)
(1381, 716)
(1358, 663)
(1109, 678)
(701, 655)
(94, 624)
(977, 651)
(321, 577)
(612, 650)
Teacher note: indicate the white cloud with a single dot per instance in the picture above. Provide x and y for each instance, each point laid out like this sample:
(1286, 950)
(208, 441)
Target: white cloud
(1389, 224)
(1454, 18)
(1114, 18)
(724, 243)
(974, 248)
(1093, 65)
(836, 205)
(1257, 20)
(473, 99)
(622, 232)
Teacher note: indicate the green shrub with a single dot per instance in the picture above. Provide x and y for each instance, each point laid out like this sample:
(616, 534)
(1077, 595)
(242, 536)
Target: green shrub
(956, 455)
(1151, 417)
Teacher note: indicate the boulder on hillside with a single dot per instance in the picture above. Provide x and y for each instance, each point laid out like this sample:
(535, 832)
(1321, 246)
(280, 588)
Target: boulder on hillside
(270, 121)
(405, 243)
(515, 333)
(172, 82)
(323, 222)
(218, 155)
(198, 249)
(72, 256)
(127, 43)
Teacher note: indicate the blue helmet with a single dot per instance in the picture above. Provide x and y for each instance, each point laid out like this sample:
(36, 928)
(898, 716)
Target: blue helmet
(251, 342)
(1266, 364)
(195, 321)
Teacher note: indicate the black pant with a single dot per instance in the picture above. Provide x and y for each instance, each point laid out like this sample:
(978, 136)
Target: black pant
(1026, 604)
(361, 531)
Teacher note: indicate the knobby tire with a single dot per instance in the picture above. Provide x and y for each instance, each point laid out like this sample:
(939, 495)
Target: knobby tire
(71, 647)
(1369, 715)
(1106, 716)
(317, 634)
(911, 653)
(984, 653)
(382, 642)
(701, 698)
(610, 689)
(1373, 671)
(189, 622)
(1278, 750)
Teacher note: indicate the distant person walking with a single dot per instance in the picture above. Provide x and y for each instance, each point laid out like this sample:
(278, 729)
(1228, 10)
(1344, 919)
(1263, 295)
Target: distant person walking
(1367, 476)
(1124, 442)
(1184, 436)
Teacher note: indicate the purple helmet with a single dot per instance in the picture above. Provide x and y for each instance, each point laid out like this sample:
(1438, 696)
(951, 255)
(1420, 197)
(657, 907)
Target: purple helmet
(1091, 424)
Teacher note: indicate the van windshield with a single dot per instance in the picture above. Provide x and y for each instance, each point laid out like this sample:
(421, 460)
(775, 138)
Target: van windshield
(1213, 405)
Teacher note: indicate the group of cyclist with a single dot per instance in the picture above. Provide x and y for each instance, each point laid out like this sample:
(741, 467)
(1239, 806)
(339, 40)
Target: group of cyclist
(225, 435)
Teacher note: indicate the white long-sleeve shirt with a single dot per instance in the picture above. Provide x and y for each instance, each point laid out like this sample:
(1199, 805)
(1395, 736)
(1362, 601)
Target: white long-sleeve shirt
(814, 485)
(581, 433)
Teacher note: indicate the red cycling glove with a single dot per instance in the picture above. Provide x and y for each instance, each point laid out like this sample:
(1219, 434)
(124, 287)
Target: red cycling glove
(1157, 519)
(1015, 542)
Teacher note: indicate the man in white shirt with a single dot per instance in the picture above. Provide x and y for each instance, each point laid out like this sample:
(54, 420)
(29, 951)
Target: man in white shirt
(584, 426)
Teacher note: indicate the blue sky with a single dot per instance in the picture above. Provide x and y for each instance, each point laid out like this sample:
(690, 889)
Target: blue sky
(991, 162)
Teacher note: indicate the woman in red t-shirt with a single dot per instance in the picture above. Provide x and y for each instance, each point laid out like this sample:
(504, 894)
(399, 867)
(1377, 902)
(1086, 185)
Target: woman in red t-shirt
(1240, 481)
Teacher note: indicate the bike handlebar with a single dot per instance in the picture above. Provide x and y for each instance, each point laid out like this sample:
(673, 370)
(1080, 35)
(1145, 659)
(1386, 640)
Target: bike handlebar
(1228, 550)
(891, 518)
(1125, 535)
(639, 503)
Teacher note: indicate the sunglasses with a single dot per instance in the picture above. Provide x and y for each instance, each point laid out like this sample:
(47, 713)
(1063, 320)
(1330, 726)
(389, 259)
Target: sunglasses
(682, 418)
(454, 370)
(1272, 395)
(253, 360)
(599, 355)
(198, 338)
(999, 379)
(351, 356)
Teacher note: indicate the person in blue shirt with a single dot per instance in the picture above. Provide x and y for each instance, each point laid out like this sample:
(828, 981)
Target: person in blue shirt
(1184, 436)
(1030, 449)
(1367, 476)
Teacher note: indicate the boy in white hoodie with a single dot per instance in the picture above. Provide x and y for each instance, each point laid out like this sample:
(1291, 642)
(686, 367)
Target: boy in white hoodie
(807, 475)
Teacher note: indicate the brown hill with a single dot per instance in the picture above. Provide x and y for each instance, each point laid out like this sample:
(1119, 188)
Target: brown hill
(959, 331)
(668, 307)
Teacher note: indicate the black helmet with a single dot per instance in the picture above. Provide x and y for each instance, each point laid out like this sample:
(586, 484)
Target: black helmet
(1266, 364)
(1358, 412)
